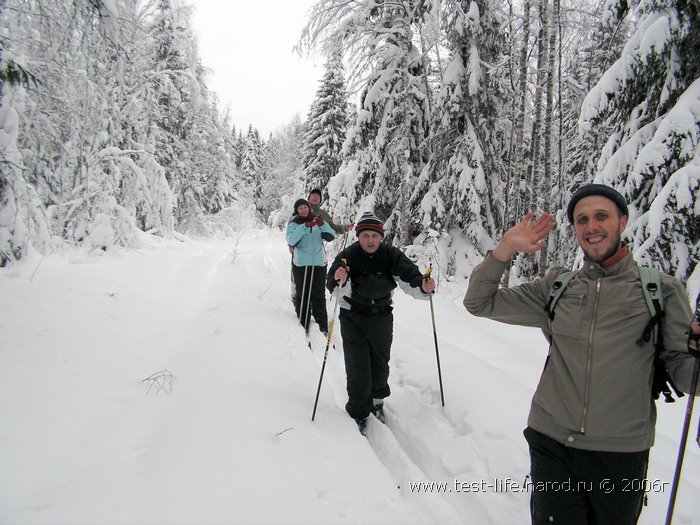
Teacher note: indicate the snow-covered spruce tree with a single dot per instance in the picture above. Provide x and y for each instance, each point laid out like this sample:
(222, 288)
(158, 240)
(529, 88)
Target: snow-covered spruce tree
(325, 127)
(459, 194)
(136, 180)
(191, 137)
(252, 164)
(651, 97)
(21, 212)
(238, 142)
(18, 210)
(175, 88)
(596, 41)
(386, 147)
(211, 161)
(92, 173)
(283, 181)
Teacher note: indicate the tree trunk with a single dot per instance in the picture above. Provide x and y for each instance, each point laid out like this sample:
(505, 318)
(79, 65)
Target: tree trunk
(518, 174)
(549, 157)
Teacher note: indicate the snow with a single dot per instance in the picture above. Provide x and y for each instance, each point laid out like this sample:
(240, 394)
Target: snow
(228, 438)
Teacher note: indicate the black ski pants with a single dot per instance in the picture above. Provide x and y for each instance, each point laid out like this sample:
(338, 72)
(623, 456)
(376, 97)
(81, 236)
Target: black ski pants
(314, 293)
(584, 487)
(367, 341)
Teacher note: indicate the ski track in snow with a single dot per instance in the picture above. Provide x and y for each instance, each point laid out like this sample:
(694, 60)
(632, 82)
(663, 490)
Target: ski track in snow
(403, 464)
(417, 430)
(228, 334)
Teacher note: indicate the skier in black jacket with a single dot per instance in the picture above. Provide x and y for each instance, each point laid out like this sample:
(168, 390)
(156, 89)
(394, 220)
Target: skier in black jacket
(366, 319)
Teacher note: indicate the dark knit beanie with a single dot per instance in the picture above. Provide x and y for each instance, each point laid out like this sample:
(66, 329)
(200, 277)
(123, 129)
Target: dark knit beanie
(299, 202)
(317, 192)
(596, 189)
(369, 222)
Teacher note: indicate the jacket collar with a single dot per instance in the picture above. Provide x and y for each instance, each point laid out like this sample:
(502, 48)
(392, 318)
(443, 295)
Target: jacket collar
(616, 257)
(618, 263)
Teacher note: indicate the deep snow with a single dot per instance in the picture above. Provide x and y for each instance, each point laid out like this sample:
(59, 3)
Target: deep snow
(228, 439)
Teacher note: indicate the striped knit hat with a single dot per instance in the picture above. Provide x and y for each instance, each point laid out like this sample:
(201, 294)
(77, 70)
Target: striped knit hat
(369, 222)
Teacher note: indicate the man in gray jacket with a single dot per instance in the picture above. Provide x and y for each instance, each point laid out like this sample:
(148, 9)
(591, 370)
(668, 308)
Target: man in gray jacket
(592, 417)
(315, 200)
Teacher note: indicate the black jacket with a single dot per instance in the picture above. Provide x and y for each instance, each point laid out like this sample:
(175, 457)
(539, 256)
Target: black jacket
(372, 277)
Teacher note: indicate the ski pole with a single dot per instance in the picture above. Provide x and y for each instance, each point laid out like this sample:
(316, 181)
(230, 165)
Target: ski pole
(343, 243)
(437, 352)
(311, 281)
(693, 349)
(302, 312)
(302, 302)
(328, 342)
(346, 235)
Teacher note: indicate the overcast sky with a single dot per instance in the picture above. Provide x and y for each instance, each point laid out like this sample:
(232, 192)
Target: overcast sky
(247, 44)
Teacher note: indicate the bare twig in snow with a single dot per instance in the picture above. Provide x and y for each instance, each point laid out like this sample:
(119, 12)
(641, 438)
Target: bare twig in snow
(158, 381)
(285, 430)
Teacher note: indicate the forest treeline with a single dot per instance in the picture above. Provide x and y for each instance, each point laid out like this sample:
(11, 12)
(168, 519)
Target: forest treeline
(450, 119)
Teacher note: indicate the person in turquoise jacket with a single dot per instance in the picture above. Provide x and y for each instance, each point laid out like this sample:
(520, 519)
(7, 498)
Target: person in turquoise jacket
(306, 233)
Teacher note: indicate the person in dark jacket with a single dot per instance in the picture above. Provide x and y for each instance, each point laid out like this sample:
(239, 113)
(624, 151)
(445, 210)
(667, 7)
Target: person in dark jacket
(366, 320)
(315, 199)
(592, 416)
(305, 234)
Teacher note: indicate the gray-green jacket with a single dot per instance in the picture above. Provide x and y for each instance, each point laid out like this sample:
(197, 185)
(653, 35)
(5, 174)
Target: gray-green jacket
(317, 210)
(595, 390)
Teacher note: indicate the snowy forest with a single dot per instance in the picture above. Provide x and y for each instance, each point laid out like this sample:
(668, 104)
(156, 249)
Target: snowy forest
(450, 119)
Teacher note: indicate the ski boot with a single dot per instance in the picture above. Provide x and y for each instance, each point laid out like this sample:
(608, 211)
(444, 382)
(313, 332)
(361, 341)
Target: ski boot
(362, 425)
(378, 411)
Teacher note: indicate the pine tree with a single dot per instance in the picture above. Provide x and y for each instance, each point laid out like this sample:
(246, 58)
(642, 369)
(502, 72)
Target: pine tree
(602, 38)
(388, 141)
(252, 165)
(325, 127)
(459, 193)
(121, 92)
(16, 196)
(649, 96)
(283, 181)
(87, 165)
(172, 86)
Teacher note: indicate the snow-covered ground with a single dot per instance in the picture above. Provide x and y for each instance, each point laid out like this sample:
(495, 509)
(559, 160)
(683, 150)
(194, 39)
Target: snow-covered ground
(222, 433)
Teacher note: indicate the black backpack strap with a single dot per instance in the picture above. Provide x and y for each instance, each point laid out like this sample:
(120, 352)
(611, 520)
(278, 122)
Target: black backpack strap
(651, 287)
(558, 287)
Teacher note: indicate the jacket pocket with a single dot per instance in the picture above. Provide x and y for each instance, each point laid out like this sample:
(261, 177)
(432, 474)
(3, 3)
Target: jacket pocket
(570, 317)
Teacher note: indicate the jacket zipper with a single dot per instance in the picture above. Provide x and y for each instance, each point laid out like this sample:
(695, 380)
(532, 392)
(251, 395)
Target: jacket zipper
(589, 363)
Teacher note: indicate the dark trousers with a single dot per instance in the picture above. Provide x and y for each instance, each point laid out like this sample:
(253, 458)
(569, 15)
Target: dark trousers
(367, 347)
(584, 487)
(314, 293)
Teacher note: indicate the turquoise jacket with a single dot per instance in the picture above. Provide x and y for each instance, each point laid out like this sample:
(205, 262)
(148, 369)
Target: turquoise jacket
(308, 243)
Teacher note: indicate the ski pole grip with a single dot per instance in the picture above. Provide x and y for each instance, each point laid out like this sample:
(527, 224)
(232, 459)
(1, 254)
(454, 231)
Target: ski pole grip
(344, 266)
